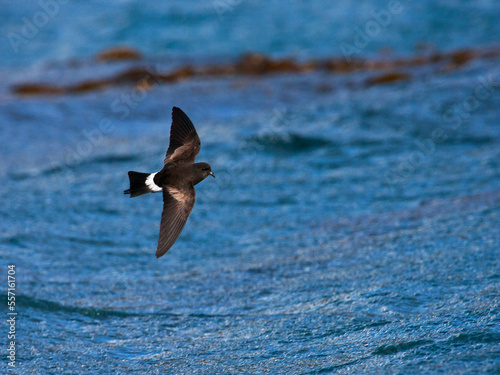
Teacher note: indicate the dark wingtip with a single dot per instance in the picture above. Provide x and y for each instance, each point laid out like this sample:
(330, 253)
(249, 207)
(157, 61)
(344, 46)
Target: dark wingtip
(126, 191)
(179, 112)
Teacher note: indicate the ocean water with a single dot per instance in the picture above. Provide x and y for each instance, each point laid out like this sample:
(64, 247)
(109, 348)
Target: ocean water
(351, 228)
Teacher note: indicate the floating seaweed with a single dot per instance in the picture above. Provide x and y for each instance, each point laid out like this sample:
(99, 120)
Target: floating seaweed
(119, 54)
(254, 64)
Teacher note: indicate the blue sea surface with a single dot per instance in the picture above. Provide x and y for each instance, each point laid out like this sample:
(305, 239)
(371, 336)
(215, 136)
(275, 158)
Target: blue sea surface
(351, 228)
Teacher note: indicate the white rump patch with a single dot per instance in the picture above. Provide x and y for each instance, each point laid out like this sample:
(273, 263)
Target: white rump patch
(150, 183)
(178, 195)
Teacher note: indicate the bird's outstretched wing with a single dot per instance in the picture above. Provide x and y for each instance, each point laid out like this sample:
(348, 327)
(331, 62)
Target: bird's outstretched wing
(184, 141)
(177, 205)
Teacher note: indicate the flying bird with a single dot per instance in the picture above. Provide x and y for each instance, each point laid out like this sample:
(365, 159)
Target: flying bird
(176, 180)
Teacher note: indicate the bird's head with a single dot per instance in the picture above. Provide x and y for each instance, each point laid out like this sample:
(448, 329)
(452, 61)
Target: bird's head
(202, 171)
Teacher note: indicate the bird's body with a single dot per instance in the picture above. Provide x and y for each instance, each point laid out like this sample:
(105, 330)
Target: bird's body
(176, 180)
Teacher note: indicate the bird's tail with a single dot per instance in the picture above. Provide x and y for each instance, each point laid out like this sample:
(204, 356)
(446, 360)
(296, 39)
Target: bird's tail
(138, 184)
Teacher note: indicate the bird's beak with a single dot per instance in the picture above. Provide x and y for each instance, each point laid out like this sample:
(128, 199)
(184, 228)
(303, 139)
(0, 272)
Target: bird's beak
(212, 174)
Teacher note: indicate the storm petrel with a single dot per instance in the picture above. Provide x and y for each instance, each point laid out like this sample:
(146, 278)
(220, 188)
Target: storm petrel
(176, 180)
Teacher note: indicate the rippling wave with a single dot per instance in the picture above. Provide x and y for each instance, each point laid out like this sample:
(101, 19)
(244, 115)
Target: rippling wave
(353, 226)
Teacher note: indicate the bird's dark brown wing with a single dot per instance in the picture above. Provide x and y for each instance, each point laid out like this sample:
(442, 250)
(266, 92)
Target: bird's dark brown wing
(184, 141)
(177, 205)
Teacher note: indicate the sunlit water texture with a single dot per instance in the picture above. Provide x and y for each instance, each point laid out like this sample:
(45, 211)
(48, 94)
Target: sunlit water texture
(351, 228)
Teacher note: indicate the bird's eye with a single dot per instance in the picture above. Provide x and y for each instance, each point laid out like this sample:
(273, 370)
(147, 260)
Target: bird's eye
(205, 168)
